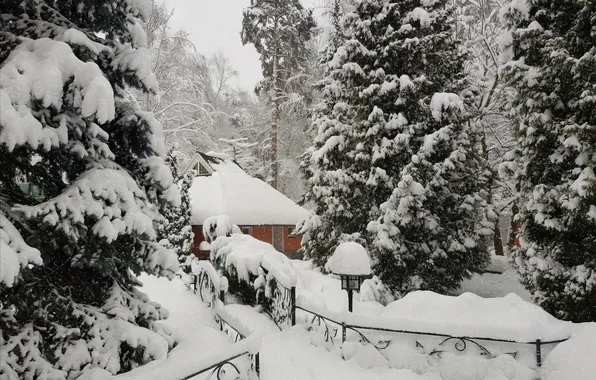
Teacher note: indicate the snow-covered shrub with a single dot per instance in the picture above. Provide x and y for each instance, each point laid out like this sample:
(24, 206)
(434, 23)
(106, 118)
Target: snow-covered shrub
(254, 268)
(374, 290)
(70, 251)
(220, 225)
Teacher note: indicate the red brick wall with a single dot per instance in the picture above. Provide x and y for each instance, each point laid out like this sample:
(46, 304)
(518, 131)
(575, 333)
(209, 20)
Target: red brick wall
(263, 233)
(291, 244)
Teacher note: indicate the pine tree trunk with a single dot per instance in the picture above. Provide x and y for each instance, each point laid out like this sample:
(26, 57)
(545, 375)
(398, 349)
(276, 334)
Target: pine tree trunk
(498, 242)
(275, 121)
(513, 230)
(273, 155)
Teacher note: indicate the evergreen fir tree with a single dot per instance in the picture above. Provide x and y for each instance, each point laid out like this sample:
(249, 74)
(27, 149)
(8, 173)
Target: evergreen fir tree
(174, 229)
(435, 229)
(279, 30)
(374, 123)
(92, 163)
(552, 67)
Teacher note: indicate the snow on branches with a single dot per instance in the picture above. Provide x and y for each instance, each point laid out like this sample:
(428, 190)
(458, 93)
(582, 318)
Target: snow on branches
(16, 254)
(38, 71)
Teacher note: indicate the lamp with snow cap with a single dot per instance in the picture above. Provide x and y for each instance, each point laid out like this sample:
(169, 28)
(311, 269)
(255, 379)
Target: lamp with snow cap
(351, 263)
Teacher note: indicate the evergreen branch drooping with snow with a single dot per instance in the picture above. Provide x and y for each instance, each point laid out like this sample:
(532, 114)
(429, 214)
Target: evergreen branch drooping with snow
(552, 66)
(396, 164)
(81, 167)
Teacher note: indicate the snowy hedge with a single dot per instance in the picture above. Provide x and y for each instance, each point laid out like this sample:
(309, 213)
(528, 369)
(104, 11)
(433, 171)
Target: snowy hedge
(253, 268)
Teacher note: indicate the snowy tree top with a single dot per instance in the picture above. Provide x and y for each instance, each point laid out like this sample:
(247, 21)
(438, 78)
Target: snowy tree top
(349, 258)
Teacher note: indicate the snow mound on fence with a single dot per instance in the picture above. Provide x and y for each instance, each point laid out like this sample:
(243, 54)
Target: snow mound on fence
(574, 359)
(247, 255)
(468, 315)
(508, 317)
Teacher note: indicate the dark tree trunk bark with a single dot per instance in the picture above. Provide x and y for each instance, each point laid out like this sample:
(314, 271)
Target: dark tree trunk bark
(498, 241)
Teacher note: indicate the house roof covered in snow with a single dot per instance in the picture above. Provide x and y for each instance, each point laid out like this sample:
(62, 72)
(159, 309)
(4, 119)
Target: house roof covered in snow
(223, 188)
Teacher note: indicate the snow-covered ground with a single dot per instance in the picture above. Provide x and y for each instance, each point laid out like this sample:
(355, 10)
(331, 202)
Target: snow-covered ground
(491, 285)
(297, 354)
(201, 342)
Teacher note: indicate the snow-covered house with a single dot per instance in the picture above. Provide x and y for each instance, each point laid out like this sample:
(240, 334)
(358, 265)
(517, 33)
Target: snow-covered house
(221, 187)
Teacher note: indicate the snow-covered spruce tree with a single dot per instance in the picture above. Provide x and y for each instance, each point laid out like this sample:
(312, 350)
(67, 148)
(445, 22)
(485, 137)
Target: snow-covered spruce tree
(279, 30)
(80, 168)
(436, 228)
(375, 115)
(553, 70)
(174, 229)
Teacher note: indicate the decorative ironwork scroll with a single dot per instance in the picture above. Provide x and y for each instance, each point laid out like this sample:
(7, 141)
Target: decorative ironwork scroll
(220, 369)
(381, 345)
(461, 345)
(206, 288)
(228, 329)
(281, 305)
(318, 321)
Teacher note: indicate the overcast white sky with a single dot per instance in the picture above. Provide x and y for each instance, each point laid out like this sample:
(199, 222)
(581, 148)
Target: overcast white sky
(215, 26)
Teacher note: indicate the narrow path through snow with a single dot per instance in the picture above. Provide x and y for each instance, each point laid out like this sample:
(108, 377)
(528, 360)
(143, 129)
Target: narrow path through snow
(193, 324)
(187, 312)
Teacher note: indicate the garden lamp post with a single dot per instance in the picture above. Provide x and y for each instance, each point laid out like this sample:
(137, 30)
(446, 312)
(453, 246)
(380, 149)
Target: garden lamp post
(351, 283)
(351, 263)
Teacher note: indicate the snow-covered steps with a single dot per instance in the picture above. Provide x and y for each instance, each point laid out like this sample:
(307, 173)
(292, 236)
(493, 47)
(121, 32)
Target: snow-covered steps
(247, 320)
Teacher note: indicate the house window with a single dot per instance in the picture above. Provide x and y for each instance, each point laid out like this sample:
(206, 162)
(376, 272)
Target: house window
(247, 230)
(290, 230)
(203, 170)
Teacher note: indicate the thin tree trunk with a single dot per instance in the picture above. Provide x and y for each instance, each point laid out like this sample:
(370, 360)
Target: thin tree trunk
(497, 239)
(274, 128)
(275, 117)
(513, 230)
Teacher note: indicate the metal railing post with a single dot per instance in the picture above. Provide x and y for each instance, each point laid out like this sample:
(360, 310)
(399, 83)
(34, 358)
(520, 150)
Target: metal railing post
(293, 301)
(538, 353)
(343, 332)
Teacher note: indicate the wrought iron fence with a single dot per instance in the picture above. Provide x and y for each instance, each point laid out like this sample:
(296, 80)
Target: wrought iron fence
(219, 369)
(281, 305)
(214, 297)
(445, 343)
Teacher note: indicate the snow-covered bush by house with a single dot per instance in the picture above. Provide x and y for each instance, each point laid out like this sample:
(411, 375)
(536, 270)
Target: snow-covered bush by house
(253, 267)
(552, 69)
(220, 225)
(68, 130)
